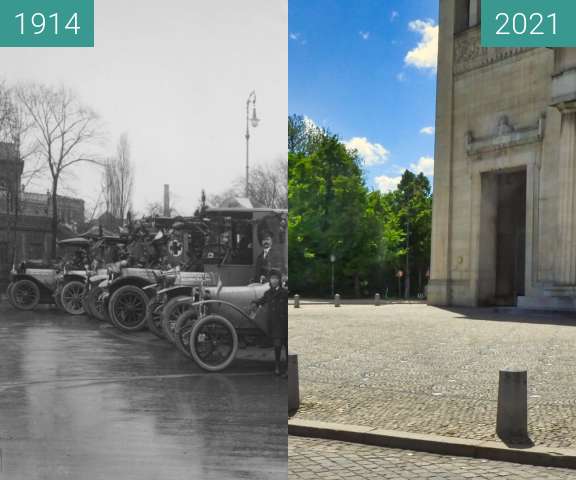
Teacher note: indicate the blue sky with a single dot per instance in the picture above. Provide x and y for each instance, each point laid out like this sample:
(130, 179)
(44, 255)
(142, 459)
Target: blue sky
(366, 70)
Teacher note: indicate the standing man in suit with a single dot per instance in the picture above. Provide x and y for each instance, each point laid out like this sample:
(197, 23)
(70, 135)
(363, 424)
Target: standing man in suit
(270, 259)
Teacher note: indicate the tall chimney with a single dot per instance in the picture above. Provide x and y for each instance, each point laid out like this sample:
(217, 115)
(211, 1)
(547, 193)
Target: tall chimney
(166, 200)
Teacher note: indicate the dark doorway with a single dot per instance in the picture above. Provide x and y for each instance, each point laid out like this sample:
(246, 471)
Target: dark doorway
(510, 237)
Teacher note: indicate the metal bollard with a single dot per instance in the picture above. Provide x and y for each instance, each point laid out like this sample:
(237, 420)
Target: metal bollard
(512, 416)
(293, 383)
(296, 301)
(377, 300)
(337, 300)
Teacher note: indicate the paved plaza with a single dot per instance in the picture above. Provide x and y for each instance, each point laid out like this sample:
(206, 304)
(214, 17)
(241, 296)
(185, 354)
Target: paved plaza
(311, 459)
(80, 400)
(421, 369)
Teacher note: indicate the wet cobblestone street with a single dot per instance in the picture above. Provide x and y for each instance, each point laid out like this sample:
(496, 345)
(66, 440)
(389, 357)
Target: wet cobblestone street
(79, 400)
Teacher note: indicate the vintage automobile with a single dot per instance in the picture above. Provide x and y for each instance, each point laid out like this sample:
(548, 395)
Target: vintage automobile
(107, 251)
(222, 245)
(124, 297)
(212, 329)
(71, 280)
(188, 246)
(35, 282)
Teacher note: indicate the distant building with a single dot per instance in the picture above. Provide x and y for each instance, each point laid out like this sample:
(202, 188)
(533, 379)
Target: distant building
(25, 217)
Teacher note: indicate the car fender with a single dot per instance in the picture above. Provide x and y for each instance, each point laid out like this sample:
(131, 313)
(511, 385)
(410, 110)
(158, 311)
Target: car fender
(97, 279)
(176, 290)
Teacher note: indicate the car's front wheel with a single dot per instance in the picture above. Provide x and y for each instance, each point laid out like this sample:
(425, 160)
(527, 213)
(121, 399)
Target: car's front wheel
(25, 294)
(72, 297)
(127, 308)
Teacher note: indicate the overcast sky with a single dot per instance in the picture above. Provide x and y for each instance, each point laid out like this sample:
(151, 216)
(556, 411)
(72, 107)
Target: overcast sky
(175, 75)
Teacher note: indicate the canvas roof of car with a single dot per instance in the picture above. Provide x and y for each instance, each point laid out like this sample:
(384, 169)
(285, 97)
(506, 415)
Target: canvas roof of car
(78, 241)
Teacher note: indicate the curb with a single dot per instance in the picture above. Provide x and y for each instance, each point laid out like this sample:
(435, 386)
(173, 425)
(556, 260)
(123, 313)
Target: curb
(538, 456)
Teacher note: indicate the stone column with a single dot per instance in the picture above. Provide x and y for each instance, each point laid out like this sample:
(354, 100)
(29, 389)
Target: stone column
(440, 269)
(563, 97)
(566, 253)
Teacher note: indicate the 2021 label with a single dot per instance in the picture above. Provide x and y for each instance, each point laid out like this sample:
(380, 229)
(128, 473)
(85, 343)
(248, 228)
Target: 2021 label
(528, 23)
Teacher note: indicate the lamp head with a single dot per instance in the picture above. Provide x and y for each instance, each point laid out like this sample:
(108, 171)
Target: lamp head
(254, 120)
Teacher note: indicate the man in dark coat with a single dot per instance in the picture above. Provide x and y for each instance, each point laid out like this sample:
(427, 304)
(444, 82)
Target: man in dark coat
(271, 258)
(276, 299)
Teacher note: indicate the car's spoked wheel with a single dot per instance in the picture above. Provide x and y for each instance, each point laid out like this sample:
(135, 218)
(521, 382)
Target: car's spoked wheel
(171, 312)
(183, 329)
(127, 308)
(25, 294)
(213, 343)
(72, 297)
(94, 303)
(154, 316)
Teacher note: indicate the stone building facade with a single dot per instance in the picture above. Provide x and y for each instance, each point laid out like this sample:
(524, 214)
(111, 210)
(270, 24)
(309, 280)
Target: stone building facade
(504, 215)
(25, 218)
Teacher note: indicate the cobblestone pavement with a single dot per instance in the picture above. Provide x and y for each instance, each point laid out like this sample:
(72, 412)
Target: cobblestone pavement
(323, 459)
(422, 369)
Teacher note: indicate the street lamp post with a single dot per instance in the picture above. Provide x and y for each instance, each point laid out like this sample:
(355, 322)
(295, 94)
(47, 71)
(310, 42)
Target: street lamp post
(254, 122)
(332, 261)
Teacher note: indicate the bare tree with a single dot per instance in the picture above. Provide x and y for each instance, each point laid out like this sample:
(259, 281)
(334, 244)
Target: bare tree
(62, 128)
(118, 180)
(268, 187)
(269, 184)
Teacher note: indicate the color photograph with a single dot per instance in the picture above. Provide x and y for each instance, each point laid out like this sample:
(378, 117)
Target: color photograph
(432, 235)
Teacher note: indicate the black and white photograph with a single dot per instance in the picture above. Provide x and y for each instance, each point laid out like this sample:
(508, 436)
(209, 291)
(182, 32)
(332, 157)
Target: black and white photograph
(144, 247)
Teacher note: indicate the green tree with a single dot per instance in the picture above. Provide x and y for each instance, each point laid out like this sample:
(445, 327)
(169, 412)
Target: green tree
(412, 203)
(331, 211)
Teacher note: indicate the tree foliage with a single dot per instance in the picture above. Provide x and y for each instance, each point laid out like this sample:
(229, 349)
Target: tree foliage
(333, 213)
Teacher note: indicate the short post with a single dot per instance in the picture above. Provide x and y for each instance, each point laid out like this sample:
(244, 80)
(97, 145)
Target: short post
(337, 300)
(377, 299)
(293, 383)
(512, 416)
(296, 301)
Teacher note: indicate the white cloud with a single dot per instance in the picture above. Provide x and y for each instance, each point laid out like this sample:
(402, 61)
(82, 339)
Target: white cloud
(425, 165)
(425, 55)
(428, 130)
(401, 77)
(387, 184)
(371, 153)
(394, 15)
(310, 124)
(297, 37)
(364, 35)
